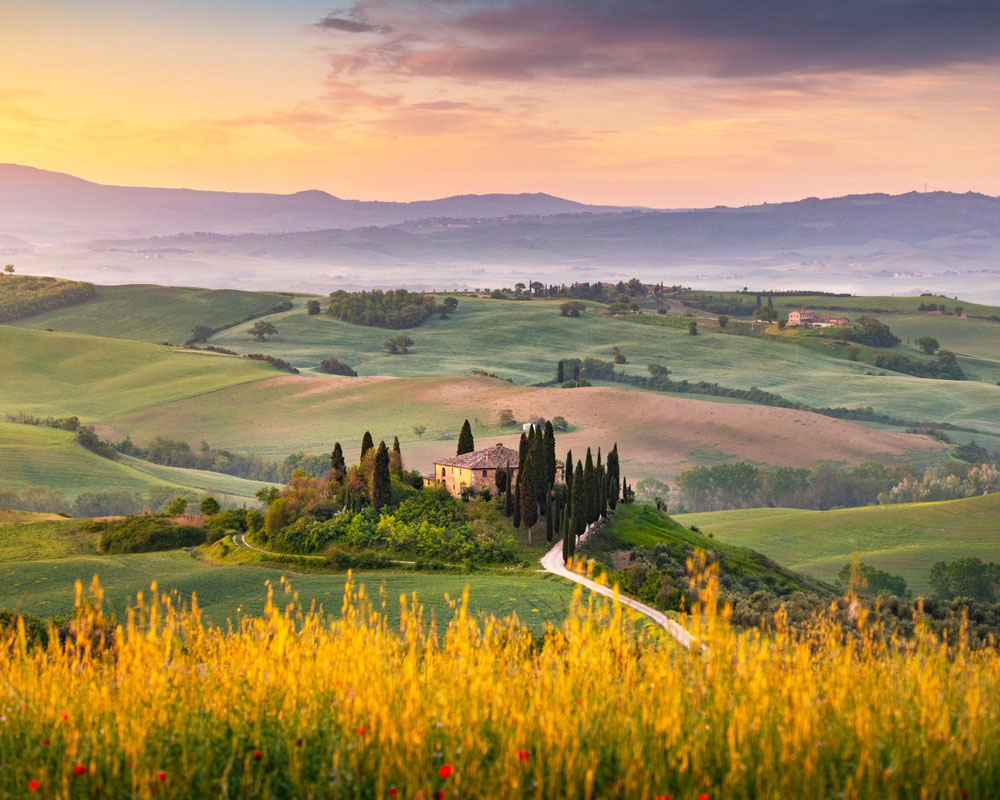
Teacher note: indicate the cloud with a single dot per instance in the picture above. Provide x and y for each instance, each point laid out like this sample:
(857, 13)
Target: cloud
(355, 22)
(588, 39)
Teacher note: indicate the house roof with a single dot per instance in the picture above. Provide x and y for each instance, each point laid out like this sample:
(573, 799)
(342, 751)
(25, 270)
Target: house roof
(490, 458)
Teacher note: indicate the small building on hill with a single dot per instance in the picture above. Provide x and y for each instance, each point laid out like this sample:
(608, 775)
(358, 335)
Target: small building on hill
(801, 318)
(477, 469)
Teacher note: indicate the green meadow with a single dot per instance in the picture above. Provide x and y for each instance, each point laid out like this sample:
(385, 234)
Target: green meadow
(71, 374)
(45, 587)
(31, 537)
(903, 539)
(154, 313)
(39, 456)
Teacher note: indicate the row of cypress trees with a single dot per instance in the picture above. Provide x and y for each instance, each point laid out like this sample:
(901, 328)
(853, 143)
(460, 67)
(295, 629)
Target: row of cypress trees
(589, 489)
(385, 462)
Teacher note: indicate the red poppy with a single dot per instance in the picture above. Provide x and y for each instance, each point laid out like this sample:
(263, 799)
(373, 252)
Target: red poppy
(703, 797)
(65, 716)
(439, 795)
(361, 730)
(393, 791)
(33, 785)
(663, 797)
(256, 755)
(161, 776)
(45, 742)
(523, 755)
(446, 770)
(963, 794)
(79, 769)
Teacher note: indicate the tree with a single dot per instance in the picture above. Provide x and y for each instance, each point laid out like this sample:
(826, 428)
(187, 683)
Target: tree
(419, 430)
(450, 304)
(262, 329)
(508, 498)
(526, 490)
(550, 455)
(396, 458)
(568, 470)
(501, 479)
(966, 577)
(466, 444)
(561, 372)
(267, 495)
(177, 507)
(200, 333)
(723, 321)
(782, 324)
(559, 423)
(614, 486)
(549, 523)
(506, 417)
(868, 580)
(367, 443)
(928, 344)
(9, 269)
(578, 502)
(338, 465)
(381, 485)
(517, 506)
(571, 308)
(312, 307)
(853, 352)
(210, 506)
(398, 345)
(618, 356)
(334, 366)
(693, 327)
(590, 489)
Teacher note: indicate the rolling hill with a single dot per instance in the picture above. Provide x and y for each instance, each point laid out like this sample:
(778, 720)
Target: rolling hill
(37, 456)
(154, 313)
(70, 374)
(903, 539)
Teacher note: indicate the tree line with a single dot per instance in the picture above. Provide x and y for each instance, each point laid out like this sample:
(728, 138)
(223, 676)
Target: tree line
(394, 309)
(26, 295)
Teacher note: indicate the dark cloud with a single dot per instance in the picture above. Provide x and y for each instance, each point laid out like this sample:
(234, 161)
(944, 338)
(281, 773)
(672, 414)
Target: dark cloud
(331, 22)
(523, 39)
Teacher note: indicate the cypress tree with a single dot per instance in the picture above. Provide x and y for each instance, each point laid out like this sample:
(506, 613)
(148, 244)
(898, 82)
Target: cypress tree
(550, 455)
(508, 499)
(522, 451)
(466, 444)
(565, 543)
(590, 489)
(526, 491)
(366, 444)
(578, 502)
(381, 489)
(396, 458)
(557, 510)
(561, 372)
(568, 470)
(338, 466)
(500, 479)
(613, 476)
(517, 506)
(549, 525)
(539, 474)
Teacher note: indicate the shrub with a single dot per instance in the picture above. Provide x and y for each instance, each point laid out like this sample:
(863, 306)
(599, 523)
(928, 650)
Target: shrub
(145, 535)
(393, 309)
(334, 366)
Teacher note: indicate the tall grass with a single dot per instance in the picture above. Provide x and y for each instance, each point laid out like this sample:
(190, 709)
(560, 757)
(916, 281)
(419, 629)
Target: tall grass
(294, 705)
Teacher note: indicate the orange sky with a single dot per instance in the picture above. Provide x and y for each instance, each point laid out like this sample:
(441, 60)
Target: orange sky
(389, 103)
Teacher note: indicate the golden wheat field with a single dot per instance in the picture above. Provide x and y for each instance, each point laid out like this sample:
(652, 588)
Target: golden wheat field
(293, 705)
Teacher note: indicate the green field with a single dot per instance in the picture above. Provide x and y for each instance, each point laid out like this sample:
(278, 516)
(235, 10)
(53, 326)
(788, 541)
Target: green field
(154, 313)
(858, 304)
(38, 456)
(903, 539)
(524, 340)
(66, 374)
(45, 588)
(31, 537)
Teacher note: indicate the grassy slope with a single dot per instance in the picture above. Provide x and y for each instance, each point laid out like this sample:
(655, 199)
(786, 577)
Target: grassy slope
(154, 313)
(860, 305)
(642, 526)
(45, 588)
(29, 537)
(36, 456)
(523, 340)
(903, 539)
(73, 374)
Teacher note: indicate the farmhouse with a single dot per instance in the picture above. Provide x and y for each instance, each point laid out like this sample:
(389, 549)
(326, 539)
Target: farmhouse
(801, 319)
(477, 469)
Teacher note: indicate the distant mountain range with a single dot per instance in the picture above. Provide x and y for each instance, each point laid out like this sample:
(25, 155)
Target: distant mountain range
(875, 243)
(51, 207)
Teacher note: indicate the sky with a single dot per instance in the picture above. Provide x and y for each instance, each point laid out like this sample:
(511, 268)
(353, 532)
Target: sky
(663, 103)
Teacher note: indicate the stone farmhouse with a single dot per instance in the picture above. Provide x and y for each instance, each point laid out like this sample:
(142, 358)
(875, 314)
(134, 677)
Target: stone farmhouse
(477, 469)
(804, 318)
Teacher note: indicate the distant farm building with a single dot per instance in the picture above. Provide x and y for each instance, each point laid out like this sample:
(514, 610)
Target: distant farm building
(477, 470)
(804, 318)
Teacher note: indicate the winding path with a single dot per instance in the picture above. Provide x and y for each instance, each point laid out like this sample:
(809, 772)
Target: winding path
(553, 562)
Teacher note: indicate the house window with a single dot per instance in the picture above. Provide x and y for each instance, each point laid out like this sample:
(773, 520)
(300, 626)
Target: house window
(484, 473)
(442, 472)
